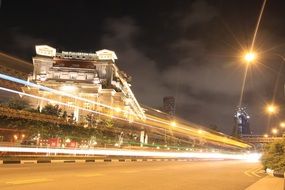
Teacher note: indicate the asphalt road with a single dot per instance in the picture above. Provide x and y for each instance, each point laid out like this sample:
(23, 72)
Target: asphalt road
(167, 175)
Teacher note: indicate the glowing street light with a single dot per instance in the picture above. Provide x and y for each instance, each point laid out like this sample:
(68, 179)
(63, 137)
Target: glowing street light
(15, 137)
(265, 135)
(282, 124)
(249, 57)
(274, 131)
(271, 109)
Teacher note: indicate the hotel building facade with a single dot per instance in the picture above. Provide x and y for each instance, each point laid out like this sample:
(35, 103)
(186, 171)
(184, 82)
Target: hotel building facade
(91, 76)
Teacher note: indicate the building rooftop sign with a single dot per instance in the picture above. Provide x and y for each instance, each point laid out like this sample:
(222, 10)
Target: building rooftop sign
(45, 50)
(105, 54)
(79, 55)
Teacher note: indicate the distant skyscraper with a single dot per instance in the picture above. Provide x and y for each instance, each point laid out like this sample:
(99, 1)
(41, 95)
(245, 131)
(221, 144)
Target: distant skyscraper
(241, 123)
(169, 105)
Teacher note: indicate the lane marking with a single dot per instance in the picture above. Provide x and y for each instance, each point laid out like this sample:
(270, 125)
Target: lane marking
(28, 161)
(27, 181)
(252, 172)
(255, 172)
(247, 172)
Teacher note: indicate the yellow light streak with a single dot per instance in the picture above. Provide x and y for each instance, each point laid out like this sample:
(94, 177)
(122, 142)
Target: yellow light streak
(151, 121)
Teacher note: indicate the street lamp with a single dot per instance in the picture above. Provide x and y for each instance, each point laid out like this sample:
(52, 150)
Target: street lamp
(249, 57)
(274, 131)
(271, 109)
(282, 125)
(265, 135)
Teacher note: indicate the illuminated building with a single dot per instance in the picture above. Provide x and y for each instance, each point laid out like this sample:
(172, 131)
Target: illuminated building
(242, 123)
(92, 76)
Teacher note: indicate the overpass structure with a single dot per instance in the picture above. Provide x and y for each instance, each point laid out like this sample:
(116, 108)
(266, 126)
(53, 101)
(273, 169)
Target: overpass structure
(55, 75)
(259, 139)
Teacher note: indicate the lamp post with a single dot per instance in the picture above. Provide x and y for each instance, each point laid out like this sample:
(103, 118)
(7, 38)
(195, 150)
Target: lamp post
(248, 58)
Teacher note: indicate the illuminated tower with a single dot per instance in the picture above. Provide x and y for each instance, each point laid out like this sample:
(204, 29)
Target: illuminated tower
(241, 122)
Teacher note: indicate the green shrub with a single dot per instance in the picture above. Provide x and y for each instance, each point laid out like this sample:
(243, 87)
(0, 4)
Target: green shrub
(274, 156)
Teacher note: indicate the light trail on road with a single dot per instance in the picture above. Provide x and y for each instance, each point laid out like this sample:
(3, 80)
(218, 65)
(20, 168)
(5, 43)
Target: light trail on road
(61, 93)
(184, 130)
(251, 157)
(58, 92)
(150, 121)
(65, 104)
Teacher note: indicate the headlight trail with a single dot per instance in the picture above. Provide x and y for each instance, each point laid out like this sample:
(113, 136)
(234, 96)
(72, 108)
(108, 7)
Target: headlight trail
(14, 79)
(73, 106)
(137, 153)
(182, 130)
(61, 93)
(150, 121)
(58, 92)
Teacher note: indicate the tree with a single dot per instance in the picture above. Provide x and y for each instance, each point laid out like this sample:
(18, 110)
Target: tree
(51, 110)
(90, 120)
(108, 123)
(274, 156)
(18, 103)
(64, 115)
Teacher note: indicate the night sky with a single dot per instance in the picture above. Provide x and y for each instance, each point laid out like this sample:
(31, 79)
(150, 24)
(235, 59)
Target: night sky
(187, 49)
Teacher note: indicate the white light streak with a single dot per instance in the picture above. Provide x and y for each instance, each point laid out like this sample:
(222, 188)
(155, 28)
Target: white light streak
(61, 93)
(58, 92)
(13, 79)
(139, 153)
(70, 105)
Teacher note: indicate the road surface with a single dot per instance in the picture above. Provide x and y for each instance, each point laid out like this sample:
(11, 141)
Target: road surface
(167, 175)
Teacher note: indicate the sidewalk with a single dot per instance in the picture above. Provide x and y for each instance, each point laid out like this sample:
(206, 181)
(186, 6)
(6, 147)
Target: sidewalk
(267, 183)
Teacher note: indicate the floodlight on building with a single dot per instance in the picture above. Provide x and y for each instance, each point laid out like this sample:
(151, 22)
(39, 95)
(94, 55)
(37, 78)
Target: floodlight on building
(68, 88)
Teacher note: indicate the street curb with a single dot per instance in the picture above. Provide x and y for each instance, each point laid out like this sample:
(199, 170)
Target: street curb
(107, 160)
